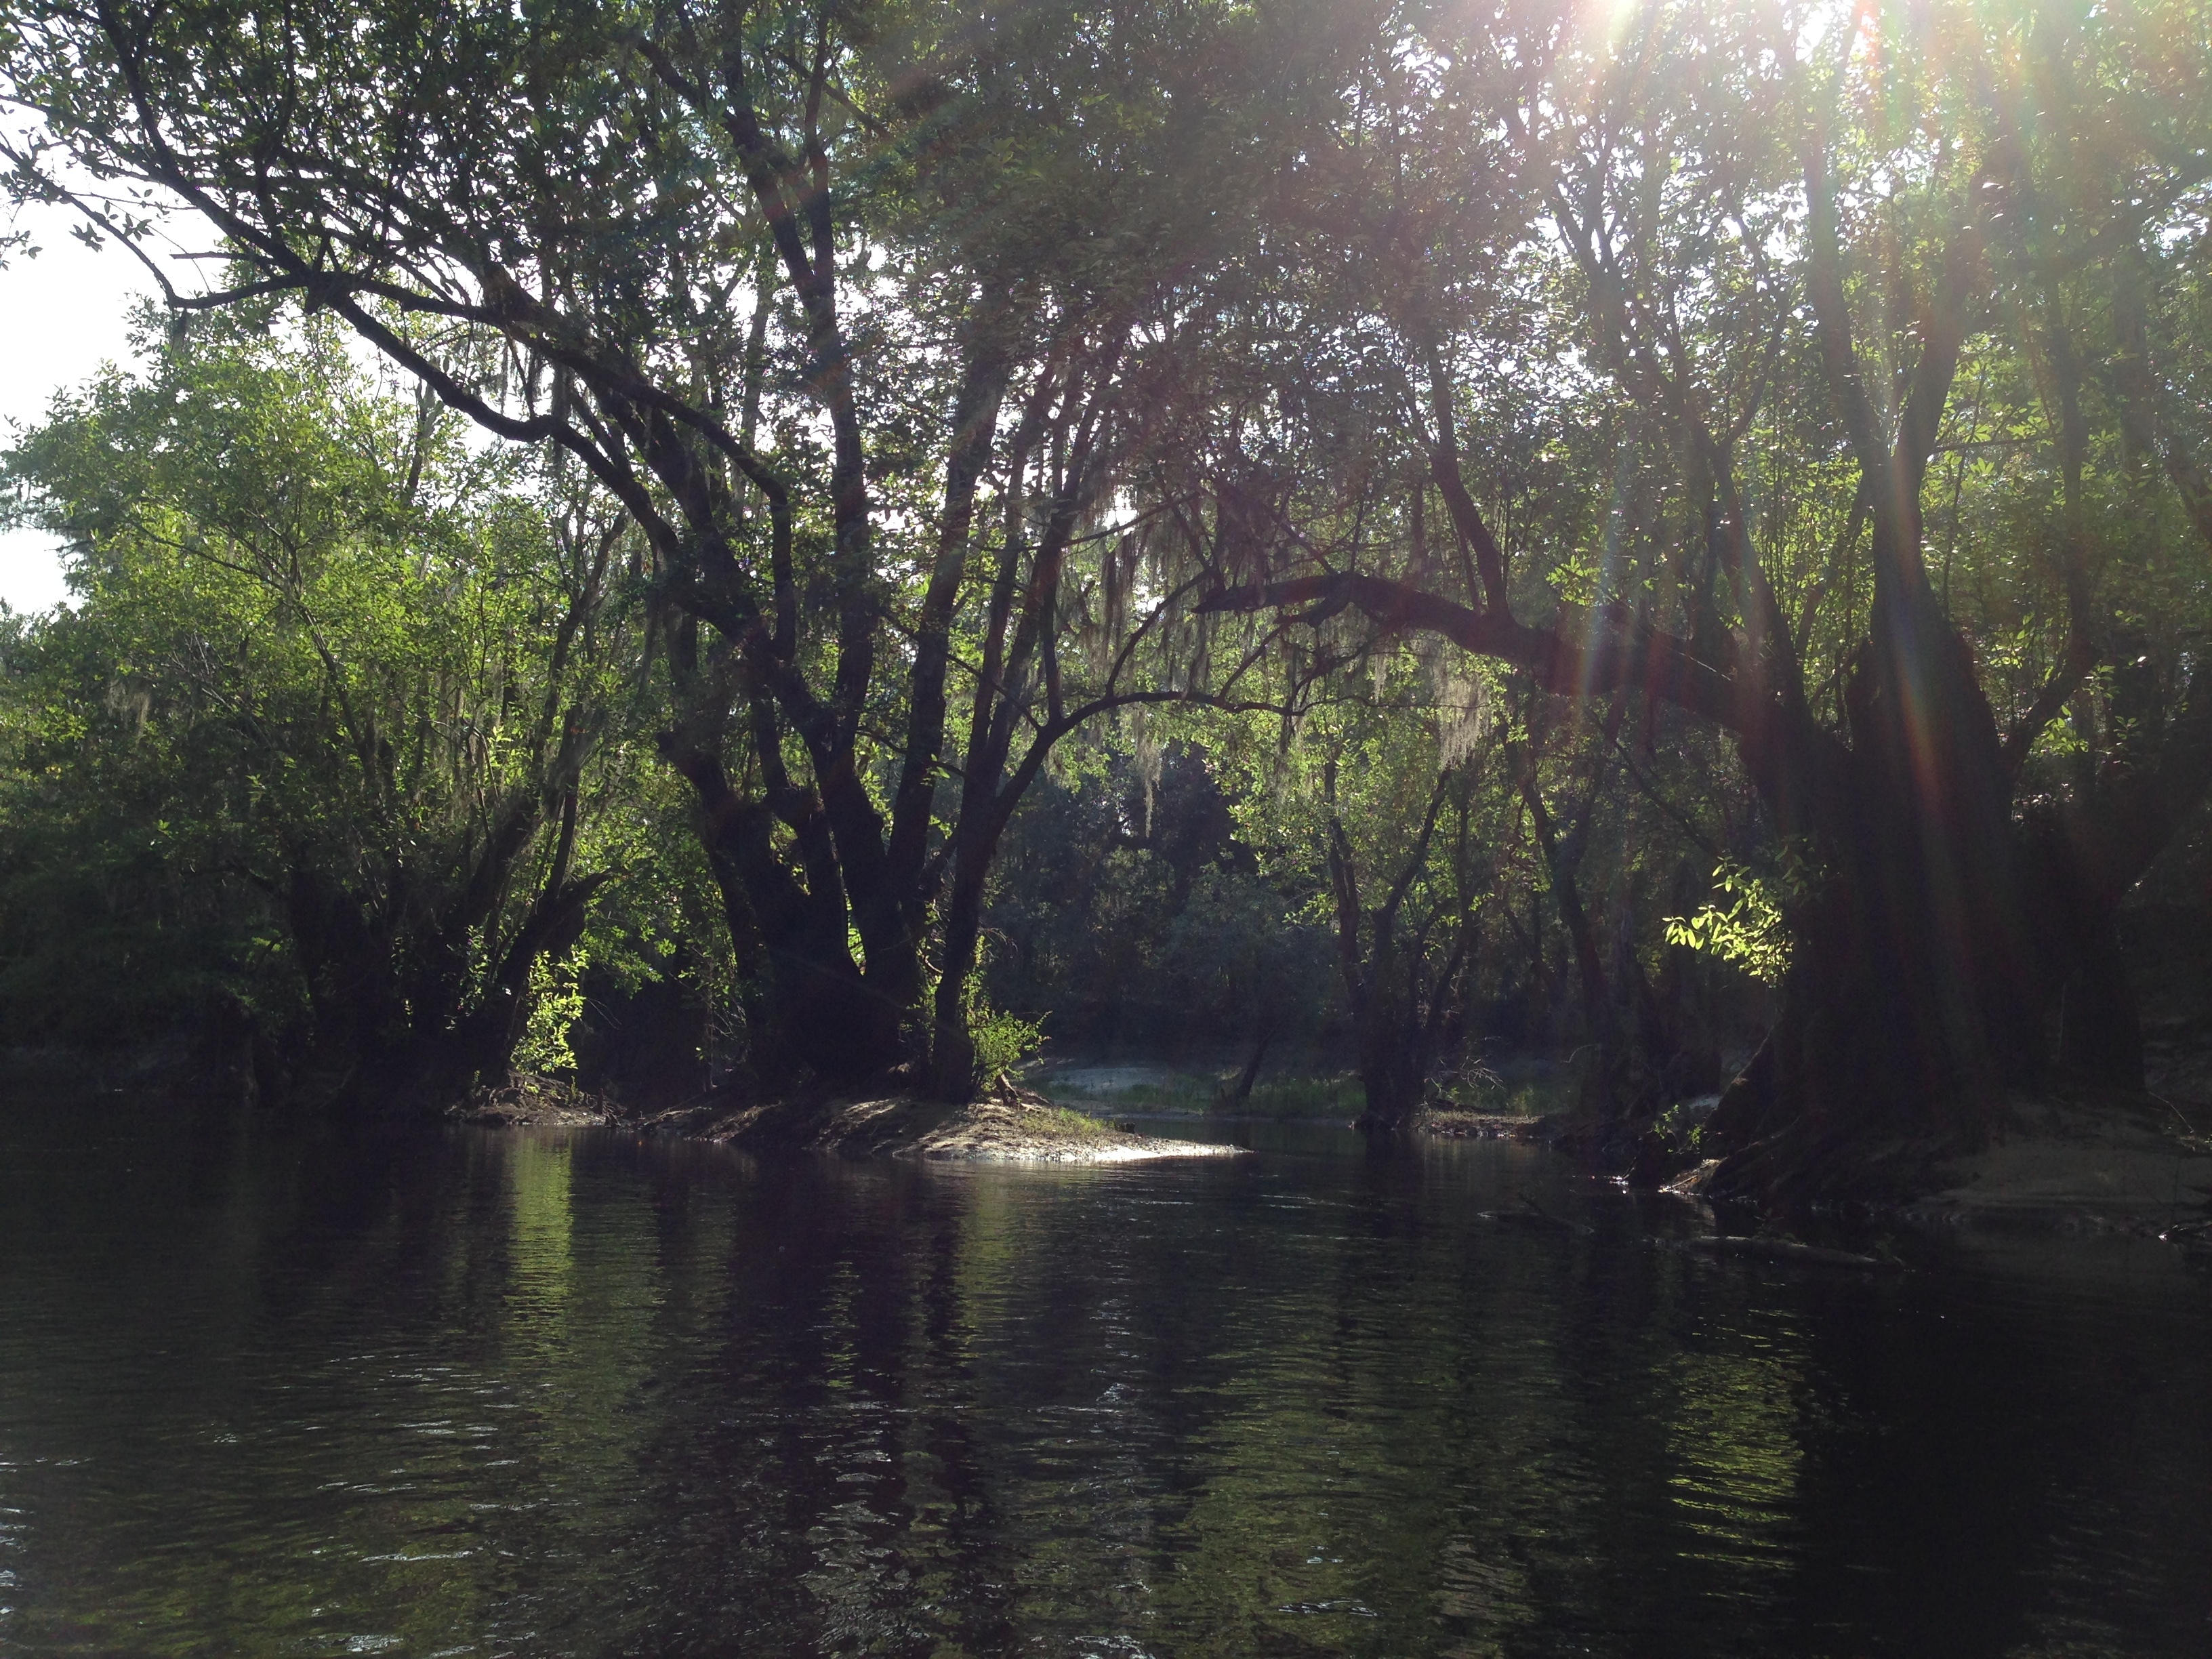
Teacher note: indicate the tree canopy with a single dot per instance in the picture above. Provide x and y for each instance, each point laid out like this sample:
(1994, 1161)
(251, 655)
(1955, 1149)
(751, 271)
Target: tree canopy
(1520, 453)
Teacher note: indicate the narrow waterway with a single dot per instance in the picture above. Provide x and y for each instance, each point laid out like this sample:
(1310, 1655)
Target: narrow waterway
(544, 1393)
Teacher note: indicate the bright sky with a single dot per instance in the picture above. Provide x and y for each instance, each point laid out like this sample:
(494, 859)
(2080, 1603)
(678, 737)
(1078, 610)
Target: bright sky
(61, 316)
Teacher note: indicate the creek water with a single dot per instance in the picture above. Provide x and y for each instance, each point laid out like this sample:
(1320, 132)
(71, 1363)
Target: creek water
(551, 1394)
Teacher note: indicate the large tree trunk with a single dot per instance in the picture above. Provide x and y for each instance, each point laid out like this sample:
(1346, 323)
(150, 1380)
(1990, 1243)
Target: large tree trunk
(813, 1012)
(1926, 949)
(952, 1058)
(1394, 1059)
(1949, 949)
(1019, 651)
(1910, 999)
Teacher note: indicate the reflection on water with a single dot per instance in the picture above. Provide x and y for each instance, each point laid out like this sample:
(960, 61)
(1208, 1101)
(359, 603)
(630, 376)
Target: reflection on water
(532, 1395)
(1733, 1439)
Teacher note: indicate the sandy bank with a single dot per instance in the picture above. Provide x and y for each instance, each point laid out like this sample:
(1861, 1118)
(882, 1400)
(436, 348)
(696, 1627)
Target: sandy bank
(2127, 1165)
(1007, 1126)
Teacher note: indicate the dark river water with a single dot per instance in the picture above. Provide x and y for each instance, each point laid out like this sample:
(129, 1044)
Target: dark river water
(547, 1394)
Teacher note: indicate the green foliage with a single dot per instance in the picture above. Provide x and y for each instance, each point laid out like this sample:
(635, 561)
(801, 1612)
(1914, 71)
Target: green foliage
(341, 729)
(1149, 928)
(1679, 1130)
(1003, 1041)
(1745, 928)
(556, 1003)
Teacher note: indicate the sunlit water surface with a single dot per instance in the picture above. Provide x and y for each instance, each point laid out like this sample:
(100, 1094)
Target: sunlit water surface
(541, 1393)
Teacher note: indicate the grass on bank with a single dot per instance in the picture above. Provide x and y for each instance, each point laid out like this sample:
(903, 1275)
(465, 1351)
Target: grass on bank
(1077, 1126)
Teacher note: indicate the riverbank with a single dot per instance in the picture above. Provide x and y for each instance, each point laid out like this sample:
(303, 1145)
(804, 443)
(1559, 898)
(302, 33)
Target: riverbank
(2087, 1163)
(1006, 1125)
(1458, 1123)
(2082, 1162)
(2090, 1163)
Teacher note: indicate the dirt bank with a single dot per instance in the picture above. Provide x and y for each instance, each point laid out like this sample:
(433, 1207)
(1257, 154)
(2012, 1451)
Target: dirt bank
(1007, 1126)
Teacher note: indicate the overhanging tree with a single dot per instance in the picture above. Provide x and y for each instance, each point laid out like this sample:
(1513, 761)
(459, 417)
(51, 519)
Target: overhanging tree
(1767, 265)
(819, 293)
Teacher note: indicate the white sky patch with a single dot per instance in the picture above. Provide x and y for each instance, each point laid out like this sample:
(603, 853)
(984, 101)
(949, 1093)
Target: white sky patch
(62, 315)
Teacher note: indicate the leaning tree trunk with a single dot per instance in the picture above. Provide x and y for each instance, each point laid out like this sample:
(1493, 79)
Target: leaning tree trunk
(1018, 654)
(1236, 1094)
